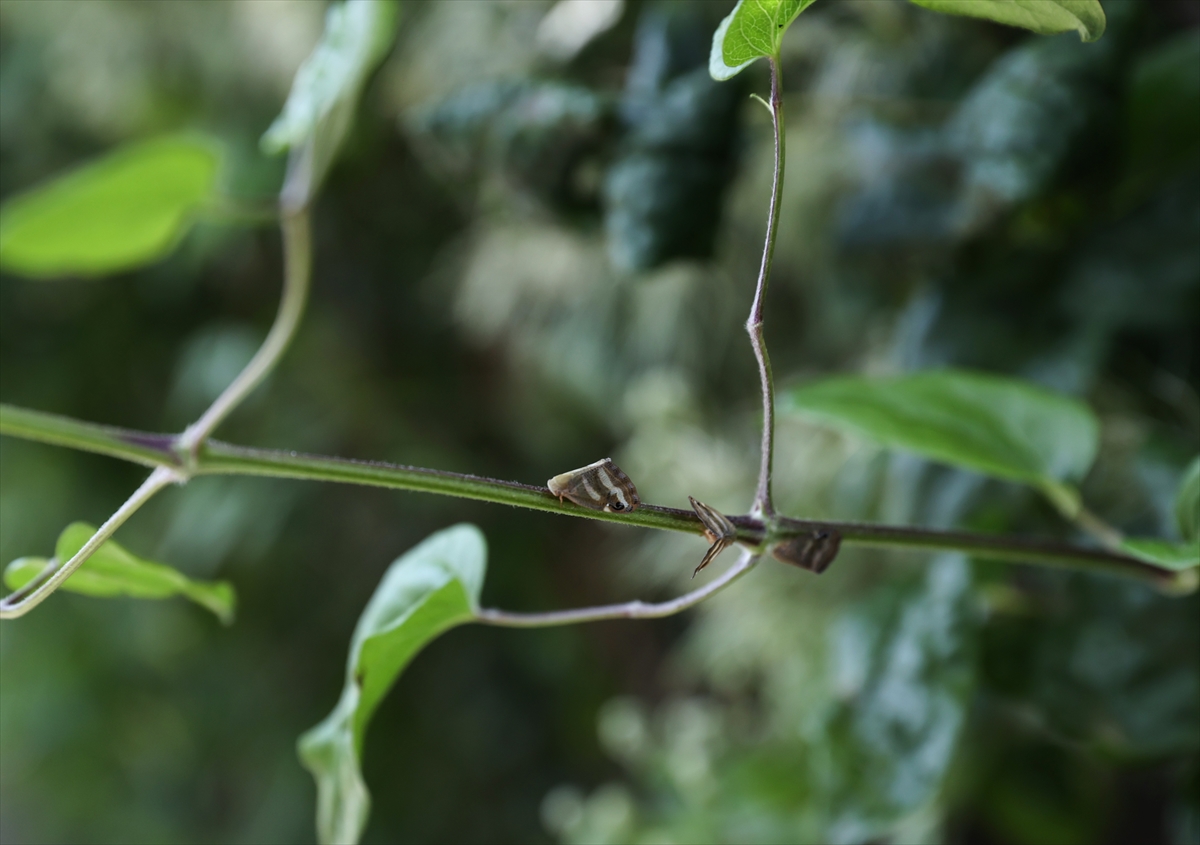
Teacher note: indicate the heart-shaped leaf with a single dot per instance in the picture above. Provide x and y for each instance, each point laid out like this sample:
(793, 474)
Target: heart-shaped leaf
(428, 590)
(1002, 427)
(1046, 17)
(125, 209)
(114, 571)
(752, 30)
(318, 111)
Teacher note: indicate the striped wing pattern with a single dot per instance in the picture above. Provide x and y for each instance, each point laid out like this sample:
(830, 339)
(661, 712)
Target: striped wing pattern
(718, 530)
(601, 486)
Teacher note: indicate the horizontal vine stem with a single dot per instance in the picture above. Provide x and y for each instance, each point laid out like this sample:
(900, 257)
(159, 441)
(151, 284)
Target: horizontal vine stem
(217, 458)
(150, 450)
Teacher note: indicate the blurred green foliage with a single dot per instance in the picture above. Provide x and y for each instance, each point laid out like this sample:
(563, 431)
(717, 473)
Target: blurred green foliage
(123, 211)
(959, 194)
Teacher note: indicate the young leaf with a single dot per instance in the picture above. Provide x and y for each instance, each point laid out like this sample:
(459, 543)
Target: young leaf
(430, 589)
(1164, 553)
(114, 571)
(998, 426)
(752, 30)
(1187, 501)
(1045, 17)
(316, 117)
(128, 208)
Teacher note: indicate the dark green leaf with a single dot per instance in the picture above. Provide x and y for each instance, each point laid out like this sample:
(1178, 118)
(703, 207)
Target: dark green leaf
(1046, 17)
(113, 571)
(998, 426)
(318, 112)
(1116, 665)
(1164, 107)
(1164, 553)
(1187, 502)
(431, 588)
(752, 30)
(126, 209)
(904, 670)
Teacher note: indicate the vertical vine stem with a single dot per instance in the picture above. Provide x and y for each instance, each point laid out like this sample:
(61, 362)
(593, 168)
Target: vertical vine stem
(297, 273)
(764, 505)
(49, 579)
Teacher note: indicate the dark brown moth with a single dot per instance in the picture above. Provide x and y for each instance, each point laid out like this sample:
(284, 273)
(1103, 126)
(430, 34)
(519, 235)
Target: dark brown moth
(600, 486)
(813, 551)
(718, 530)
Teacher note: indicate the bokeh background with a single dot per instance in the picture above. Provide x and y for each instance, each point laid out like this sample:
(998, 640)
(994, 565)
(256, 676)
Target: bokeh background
(539, 249)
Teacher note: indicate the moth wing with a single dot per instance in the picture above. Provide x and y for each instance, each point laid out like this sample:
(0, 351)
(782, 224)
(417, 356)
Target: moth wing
(616, 486)
(578, 486)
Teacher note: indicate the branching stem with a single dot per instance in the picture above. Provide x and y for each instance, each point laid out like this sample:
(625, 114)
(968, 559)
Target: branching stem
(175, 459)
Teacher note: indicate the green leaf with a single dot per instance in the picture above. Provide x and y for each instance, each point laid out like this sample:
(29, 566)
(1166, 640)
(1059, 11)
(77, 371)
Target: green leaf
(128, 208)
(1045, 17)
(1187, 501)
(1002, 427)
(904, 672)
(1164, 107)
(1164, 553)
(317, 115)
(752, 30)
(1115, 666)
(114, 571)
(430, 589)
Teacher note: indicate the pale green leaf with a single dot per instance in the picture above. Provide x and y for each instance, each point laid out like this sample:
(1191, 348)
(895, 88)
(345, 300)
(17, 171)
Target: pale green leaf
(752, 30)
(1164, 553)
(114, 571)
(1002, 427)
(318, 112)
(125, 209)
(1045, 17)
(1187, 501)
(431, 588)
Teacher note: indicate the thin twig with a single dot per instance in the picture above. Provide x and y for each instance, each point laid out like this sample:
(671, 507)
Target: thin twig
(628, 610)
(48, 580)
(297, 259)
(763, 502)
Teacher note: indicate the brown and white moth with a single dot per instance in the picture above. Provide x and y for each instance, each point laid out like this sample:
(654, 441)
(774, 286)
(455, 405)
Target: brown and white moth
(813, 551)
(718, 530)
(600, 486)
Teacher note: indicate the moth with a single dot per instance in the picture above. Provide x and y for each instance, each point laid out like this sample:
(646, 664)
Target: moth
(718, 530)
(600, 486)
(813, 551)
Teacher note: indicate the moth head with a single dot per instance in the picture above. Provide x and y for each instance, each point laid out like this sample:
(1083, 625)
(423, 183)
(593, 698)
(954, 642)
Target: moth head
(621, 500)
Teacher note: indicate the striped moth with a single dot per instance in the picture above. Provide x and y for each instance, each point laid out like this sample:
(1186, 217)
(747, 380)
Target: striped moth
(600, 486)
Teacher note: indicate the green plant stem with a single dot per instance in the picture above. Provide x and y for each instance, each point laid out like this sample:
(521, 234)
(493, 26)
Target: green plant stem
(627, 610)
(297, 258)
(1098, 528)
(763, 503)
(48, 580)
(217, 458)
